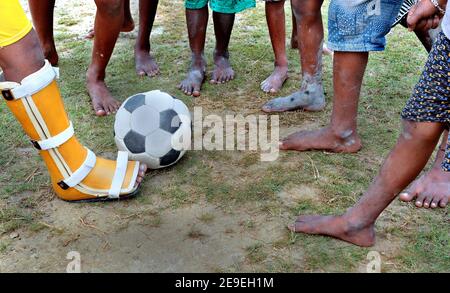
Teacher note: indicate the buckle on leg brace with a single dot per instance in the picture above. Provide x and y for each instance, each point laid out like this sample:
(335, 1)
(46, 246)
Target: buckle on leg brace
(36, 145)
(63, 185)
(7, 94)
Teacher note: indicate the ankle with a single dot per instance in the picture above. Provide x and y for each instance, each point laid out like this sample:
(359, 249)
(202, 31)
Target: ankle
(281, 64)
(50, 54)
(221, 54)
(355, 222)
(343, 135)
(142, 47)
(93, 74)
(198, 61)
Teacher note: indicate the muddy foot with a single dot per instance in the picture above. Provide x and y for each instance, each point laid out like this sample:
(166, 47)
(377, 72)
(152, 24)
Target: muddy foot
(322, 139)
(309, 98)
(195, 78)
(336, 227)
(222, 72)
(145, 63)
(103, 102)
(275, 81)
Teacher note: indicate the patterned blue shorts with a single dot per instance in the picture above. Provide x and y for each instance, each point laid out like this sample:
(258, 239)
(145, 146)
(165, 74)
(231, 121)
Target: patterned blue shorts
(430, 101)
(360, 25)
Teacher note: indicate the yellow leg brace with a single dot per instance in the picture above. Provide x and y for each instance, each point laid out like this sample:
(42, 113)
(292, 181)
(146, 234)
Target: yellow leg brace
(76, 174)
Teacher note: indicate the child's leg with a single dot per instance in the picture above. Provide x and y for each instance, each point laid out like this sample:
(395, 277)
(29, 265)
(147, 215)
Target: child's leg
(145, 63)
(310, 39)
(223, 26)
(357, 224)
(197, 22)
(294, 41)
(277, 30)
(108, 22)
(341, 135)
(128, 22)
(432, 189)
(42, 13)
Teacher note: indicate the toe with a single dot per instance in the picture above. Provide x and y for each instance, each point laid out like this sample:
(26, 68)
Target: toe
(420, 200)
(435, 202)
(100, 112)
(140, 72)
(196, 92)
(407, 196)
(443, 202)
(427, 201)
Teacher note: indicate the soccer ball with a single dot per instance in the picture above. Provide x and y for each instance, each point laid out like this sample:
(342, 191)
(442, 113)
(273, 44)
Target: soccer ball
(154, 128)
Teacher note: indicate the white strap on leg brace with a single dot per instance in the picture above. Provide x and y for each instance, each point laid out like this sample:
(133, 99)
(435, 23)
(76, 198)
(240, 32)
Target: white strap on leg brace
(119, 175)
(55, 141)
(30, 85)
(56, 69)
(82, 172)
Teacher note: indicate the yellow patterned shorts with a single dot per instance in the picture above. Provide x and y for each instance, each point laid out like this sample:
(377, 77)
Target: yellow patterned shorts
(14, 24)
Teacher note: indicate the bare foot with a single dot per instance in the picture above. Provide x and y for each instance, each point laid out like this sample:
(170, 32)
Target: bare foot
(103, 102)
(432, 189)
(275, 81)
(192, 84)
(323, 139)
(337, 227)
(145, 63)
(222, 72)
(310, 98)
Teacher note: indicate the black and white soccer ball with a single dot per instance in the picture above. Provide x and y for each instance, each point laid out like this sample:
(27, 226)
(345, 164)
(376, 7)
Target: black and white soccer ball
(154, 128)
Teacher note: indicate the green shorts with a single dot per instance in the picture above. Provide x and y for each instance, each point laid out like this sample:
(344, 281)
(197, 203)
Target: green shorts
(221, 6)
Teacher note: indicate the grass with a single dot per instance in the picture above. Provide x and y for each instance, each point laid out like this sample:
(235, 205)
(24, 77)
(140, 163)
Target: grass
(238, 180)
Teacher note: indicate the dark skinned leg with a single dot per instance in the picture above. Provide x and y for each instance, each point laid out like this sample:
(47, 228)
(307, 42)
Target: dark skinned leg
(108, 21)
(310, 39)
(145, 63)
(42, 14)
(197, 22)
(277, 30)
(223, 26)
(357, 224)
(432, 189)
(341, 135)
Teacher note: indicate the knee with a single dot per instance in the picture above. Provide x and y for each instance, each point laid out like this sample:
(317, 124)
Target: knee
(110, 7)
(419, 131)
(307, 11)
